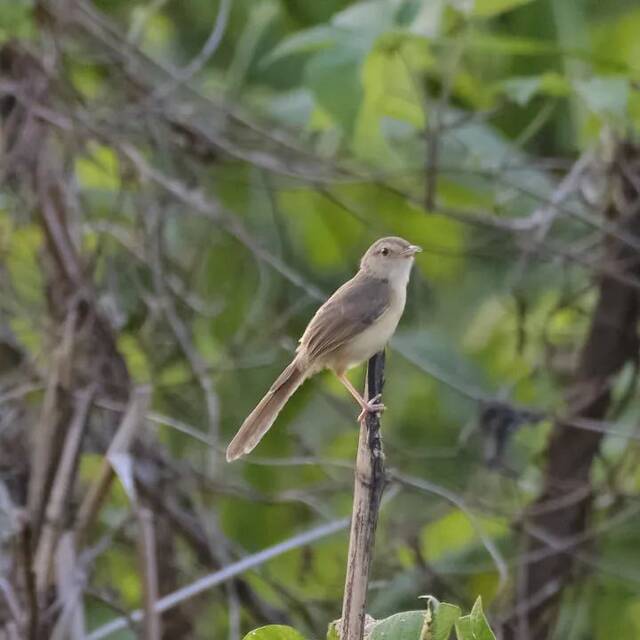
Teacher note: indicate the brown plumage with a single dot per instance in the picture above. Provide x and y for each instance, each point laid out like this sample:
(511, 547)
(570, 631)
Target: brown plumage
(352, 325)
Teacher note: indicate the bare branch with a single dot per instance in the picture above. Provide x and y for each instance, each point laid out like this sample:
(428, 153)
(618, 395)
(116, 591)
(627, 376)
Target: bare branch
(369, 484)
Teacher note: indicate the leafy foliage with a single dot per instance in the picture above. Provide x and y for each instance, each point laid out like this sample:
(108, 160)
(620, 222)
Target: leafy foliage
(435, 623)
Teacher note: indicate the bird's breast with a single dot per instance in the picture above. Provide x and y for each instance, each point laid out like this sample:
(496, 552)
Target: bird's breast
(371, 340)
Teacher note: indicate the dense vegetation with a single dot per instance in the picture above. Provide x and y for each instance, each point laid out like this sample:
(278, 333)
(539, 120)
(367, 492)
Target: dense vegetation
(184, 181)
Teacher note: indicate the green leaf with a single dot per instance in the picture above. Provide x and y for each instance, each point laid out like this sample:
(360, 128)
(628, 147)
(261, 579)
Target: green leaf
(390, 91)
(99, 169)
(521, 89)
(510, 45)
(605, 95)
(313, 220)
(475, 625)
(435, 623)
(370, 16)
(480, 623)
(307, 41)
(444, 619)
(21, 260)
(488, 8)
(401, 626)
(274, 632)
(454, 533)
(17, 19)
(135, 357)
(616, 38)
(332, 632)
(360, 23)
(389, 81)
(332, 75)
(429, 18)
(463, 628)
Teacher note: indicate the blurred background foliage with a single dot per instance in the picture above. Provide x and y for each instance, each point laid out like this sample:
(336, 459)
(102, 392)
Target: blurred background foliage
(317, 127)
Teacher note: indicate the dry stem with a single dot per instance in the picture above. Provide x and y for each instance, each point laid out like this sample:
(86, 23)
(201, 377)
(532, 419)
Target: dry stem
(368, 487)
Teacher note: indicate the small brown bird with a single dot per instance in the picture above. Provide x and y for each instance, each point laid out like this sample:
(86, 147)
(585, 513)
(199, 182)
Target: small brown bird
(356, 322)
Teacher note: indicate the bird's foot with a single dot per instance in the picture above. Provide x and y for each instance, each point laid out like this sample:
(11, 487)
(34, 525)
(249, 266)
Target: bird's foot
(371, 406)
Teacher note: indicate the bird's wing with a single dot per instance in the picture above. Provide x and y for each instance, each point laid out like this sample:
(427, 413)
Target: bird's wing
(356, 305)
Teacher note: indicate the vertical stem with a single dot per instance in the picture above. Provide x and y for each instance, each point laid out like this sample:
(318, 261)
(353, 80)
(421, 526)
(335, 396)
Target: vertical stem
(61, 490)
(368, 487)
(148, 564)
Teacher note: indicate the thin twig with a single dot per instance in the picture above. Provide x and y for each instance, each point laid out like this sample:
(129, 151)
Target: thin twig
(181, 76)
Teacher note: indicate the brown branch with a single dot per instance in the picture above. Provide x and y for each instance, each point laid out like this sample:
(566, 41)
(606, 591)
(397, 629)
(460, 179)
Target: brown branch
(149, 569)
(562, 511)
(50, 428)
(61, 490)
(368, 487)
(26, 560)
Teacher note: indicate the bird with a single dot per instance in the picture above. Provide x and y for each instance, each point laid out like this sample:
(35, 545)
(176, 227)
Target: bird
(353, 324)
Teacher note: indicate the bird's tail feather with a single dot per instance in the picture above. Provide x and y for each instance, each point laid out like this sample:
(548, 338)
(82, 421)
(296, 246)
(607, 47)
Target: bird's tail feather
(263, 416)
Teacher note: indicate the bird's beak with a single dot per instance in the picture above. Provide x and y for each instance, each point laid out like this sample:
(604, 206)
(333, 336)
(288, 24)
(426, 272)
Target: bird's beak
(412, 249)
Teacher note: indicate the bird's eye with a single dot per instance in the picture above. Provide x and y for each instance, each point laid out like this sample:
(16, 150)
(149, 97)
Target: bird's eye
(384, 251)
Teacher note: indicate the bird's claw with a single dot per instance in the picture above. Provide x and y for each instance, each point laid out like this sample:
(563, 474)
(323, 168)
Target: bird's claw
(372, 406)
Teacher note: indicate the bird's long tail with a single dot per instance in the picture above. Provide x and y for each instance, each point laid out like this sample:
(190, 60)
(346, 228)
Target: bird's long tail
(259, 421)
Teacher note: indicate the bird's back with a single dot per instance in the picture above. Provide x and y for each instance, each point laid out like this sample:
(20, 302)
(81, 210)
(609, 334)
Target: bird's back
(350, 317)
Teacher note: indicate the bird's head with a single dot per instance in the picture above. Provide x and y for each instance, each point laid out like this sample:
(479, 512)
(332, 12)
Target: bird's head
(390, 258)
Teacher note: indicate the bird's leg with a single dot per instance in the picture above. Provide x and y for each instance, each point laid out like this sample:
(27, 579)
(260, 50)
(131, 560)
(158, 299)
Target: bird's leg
(367, 406)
